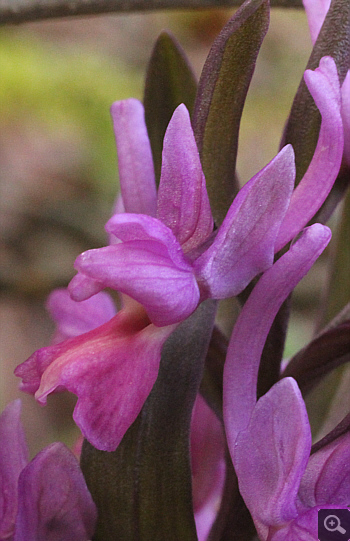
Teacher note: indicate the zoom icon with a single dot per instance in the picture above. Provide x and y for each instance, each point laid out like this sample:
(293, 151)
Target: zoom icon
(334, 525)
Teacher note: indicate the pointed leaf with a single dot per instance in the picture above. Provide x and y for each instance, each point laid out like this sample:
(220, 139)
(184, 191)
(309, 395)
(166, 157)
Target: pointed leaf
(143, 489)
(272, 355)
(220, 99)
(339, 276)
(211, 384)
(169, 82)
(342, 428)
(233, 522)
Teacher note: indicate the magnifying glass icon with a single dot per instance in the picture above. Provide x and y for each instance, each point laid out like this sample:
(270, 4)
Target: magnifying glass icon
(332, 524)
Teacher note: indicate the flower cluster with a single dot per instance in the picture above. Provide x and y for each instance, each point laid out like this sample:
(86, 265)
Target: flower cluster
(170, 263)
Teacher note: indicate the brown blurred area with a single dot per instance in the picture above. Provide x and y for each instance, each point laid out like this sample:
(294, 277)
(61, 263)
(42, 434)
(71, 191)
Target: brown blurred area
(54, 198)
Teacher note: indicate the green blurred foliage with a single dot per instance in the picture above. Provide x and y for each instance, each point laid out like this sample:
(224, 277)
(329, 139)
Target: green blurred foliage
(66, 87)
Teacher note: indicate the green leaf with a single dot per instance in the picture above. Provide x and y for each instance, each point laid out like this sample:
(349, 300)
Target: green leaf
(328, 350)
(143, 489)
(169, 82)
(304, 121)
(342, 428)
(271, 358)
(211, 384)
(339, 279)
(220, 99)
(233, 522)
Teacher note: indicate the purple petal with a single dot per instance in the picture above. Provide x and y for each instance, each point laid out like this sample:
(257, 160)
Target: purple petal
(13, 458)
(244, 245)
(311, 192)
(111, 369)
(183, 203)
(205, 518)
(75, 318)
(136, 171)
(316, 11)
(345, 93)
(207, 455)
(303, 528)
(327, 477)
(34, 367)
(271, 455)
(54, 502)
(82, 287)
(148, 265)
(106, 410)
(254, 322)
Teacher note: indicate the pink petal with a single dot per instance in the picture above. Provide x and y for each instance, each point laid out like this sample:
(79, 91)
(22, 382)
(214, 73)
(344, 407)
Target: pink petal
(303, 528)
(244, 245)
(75, 318)
(33, 368)
(54, 502)
(316, 11)
(136, 171)
(111, 369)
(81, 287)
(254, 322)
(345, 93)
(311, 192)
(13, 458)
(183, 203)
(327, 477)
(148, 265)
(207, 455)
(271, 455)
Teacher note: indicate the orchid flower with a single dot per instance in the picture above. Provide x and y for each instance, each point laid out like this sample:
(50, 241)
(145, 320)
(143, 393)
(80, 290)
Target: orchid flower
(45, 499)
(282, 485)
(316, 11)
(165, 258)
(270, 439)
(207, 436)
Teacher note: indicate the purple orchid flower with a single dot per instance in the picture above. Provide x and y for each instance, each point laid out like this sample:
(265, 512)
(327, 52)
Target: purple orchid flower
(164, 255)
(282, 485)
(45, 499)
(316, 11)
(270, 439)
(207, 435)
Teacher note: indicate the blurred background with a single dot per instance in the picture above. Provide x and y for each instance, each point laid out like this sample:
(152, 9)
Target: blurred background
(58, 178)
